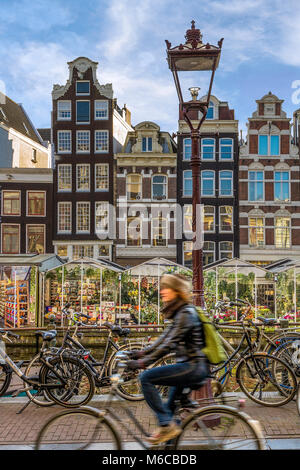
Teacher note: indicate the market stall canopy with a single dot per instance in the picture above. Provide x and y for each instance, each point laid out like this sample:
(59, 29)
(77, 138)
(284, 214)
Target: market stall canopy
(43, 262)
(97, 264)
(155, 267)
(243, 267)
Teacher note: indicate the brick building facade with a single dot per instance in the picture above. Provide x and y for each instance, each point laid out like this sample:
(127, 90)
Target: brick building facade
(219, 153)
(269, 188)
(146, 196)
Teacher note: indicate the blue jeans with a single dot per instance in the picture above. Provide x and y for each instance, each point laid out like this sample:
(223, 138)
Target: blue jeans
(177, 376)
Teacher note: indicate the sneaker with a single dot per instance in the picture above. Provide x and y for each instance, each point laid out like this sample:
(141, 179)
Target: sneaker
(164, 433)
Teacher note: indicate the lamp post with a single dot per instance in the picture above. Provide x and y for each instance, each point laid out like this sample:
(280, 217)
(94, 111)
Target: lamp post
(194, 56)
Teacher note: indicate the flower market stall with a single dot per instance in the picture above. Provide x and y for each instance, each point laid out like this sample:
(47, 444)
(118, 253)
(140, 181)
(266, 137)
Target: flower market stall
(90, 286)
(141, 288)
(235, 278)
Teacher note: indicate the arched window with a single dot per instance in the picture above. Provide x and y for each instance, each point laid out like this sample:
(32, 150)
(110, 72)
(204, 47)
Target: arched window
(226, 219)
(225, 183)
(211, 111)
(208, 149)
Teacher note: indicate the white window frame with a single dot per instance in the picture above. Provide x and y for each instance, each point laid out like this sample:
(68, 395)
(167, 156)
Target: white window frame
(58, 138)
(34, 225)
(226, 145)
(276, 227)
(2, 202)
(231, 179)
(226, 251)
(269, 154)
(256, 227)
(89, 141)
(59, 118)
(256, 181)
(106, 204)
(184, 149)
(88, 204)
(87, 165)
(59, 167)
(95, 139)
(166, 231)
(27, 200)
(60, 204)
(184, 250)
(101, 118)
(220, 215)
(183, 185)
(283, 181)
(214, 185)
(106, 165)
(83, 123)
(141, 229)
(147, 143)
(165, 185)
(210, 251)
(210, 145)
(19, 244)
(140, 183)
(214, 216)
(83, 94)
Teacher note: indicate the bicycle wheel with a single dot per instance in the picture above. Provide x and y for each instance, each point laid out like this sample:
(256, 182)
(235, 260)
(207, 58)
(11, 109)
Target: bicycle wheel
(290, 353)
(5, 378)
(220, 428)
(39, 397)
(85, 428)
(266, 379)
(80, 385)
(130, 389)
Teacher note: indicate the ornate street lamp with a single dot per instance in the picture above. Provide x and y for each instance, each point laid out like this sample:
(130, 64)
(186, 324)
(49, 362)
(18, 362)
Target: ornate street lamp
(194, 56)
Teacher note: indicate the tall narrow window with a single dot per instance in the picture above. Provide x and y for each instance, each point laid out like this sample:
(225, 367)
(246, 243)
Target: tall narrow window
(282, 232)
(101, 177)
(35, 238)
(256, 231)
(226, 149)
(187, 183)
(209, 218)
(134, 229)
(147, 144)
(64, 141)
(82, 177)
(208, 252)
(64, 223)
(256, 185)
(226, 219)
(10, 239)
(36, 203)
(83, 141)
(211, 111)
(101, 109)
(187, 149)
(101, 141)
(101, 219)
(64, 177)
(208, 149)
(226, 250)
(64, 110)
(134, 187)
(187, 219)
(82, 112)
(208, 183)
(159, 231)
(83, 217)
(282, 186)
(11, 204)
(268, 145)
(225, 183)
(188, 254)
(159, 187)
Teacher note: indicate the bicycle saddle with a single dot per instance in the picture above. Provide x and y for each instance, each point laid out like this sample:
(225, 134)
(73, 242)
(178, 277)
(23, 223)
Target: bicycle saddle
(47, 335)
(268, 321)
(117, 329)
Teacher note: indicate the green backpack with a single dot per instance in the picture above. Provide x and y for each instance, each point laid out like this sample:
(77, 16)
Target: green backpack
(213, 349)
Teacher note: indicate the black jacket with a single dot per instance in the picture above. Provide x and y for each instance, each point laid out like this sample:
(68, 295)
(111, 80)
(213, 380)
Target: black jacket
(183, 336)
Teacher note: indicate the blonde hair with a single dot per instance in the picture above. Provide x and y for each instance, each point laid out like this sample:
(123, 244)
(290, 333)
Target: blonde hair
(179, 283)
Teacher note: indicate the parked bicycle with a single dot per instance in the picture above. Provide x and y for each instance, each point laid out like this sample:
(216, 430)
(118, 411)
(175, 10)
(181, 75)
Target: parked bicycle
(64, 378)
(264, 378)
(212, 427)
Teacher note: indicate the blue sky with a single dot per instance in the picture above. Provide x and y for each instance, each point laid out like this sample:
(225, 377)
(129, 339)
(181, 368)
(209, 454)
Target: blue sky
(127, 38)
